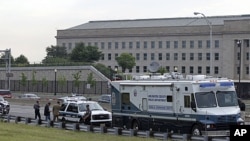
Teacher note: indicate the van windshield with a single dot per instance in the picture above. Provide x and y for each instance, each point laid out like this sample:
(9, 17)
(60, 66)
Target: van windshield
(205, 99)
(226, 98)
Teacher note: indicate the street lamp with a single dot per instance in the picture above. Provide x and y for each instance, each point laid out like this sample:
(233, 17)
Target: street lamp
(238, 87)
(211, 39)
(55, 82)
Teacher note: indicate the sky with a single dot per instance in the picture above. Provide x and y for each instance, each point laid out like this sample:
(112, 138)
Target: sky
(28, 27)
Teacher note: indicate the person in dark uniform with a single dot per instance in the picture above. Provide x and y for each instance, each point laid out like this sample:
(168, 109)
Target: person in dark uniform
(47, 111)
(37, 110)
(87, 115)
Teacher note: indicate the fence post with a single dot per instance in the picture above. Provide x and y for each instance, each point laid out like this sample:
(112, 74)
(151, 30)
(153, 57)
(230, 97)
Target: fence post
(17, 119)
(27, 120)
(165, 136)
(8, 118)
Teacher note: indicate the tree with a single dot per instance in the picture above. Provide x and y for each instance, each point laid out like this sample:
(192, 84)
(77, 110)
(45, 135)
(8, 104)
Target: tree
(55, 54)
(21, 60)
(77, 77)
(126, 61)
(90, 80)
(83, 53)
(23, 81)
(56, 51)
(3, 59)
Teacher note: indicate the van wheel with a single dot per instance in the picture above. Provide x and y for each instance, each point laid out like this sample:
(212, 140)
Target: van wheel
(135, 125)
(196, 130)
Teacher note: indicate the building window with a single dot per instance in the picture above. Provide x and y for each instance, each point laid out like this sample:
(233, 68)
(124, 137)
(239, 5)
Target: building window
(238, 56)
(116, 55)
(199, 56)
(70, 45)
(96, 44)
(116, 45)
(137, 44)
(109, 56)
(208, 56)
(175, 56)
(167, 68)
(191, 69)
(152, 44)
(145, 45)
(137, 56)
(152, 56)
(208, 70)
(123, 45)
(63, 44)
(167, 44)
(145, 56)
(216, 44)
(89, 43)
(183, 69)
(145, 69)
(167, 56)
(247, 70)
(216, 56)
(247, 56)
(191, 44)
(130, 45)
(102, 57)
(199, 44)
(199, 70)
(160, 44)
(160, 56)
(102, 45)
(191, 56)
(208, 44)
(137, 69)
(109, 45)
(175, 44)
(183, 44)
(246, 42)
(216, 70)
(183, 56)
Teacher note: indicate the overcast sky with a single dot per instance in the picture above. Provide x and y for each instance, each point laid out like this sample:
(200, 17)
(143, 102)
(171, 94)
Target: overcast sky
(29, 26)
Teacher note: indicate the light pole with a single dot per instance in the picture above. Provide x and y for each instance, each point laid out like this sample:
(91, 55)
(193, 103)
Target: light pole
(238, 87)
(116, 69)
(55, 82)
(211, 39)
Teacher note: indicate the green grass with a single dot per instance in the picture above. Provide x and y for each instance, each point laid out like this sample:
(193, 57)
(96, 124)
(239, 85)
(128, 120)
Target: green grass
(23, 132)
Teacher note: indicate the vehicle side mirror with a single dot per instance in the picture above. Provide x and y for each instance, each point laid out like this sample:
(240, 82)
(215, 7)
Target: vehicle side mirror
(242, 105)
(193, 106)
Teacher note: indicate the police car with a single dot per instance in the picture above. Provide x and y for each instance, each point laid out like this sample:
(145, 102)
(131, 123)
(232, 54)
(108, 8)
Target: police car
(75, 110)
(4, 106)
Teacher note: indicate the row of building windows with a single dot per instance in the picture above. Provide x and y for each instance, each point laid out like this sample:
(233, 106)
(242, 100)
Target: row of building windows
(148, 44)
(183, 69)
(168, 56)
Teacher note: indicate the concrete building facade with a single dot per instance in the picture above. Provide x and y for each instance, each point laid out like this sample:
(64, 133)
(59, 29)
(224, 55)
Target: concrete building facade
(182, 42)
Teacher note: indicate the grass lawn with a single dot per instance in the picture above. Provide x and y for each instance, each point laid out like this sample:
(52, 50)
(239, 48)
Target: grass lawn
(23, 132)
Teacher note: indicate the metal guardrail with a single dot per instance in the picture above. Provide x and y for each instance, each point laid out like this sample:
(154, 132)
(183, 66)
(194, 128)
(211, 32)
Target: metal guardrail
(113, 131)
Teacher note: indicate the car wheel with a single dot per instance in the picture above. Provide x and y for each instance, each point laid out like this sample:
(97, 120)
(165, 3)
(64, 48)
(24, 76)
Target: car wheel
(135, 125)
(196, 130)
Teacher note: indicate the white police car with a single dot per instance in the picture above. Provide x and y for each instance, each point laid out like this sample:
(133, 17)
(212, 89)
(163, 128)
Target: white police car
(75, 110)
(4, 106)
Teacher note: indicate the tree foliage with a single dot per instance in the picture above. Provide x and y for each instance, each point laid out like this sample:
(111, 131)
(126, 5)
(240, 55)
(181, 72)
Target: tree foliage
(83, 53)
(55, 54)
(126, 61)
(21, 60)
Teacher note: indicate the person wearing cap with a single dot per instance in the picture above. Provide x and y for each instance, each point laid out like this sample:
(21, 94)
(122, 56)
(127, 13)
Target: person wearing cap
(87, 115)
(37, 110)
(47, 111)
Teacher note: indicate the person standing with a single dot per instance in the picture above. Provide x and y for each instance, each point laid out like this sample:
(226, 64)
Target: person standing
(37, 110)
(56, 108)
(87, 115)
(47, 111)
